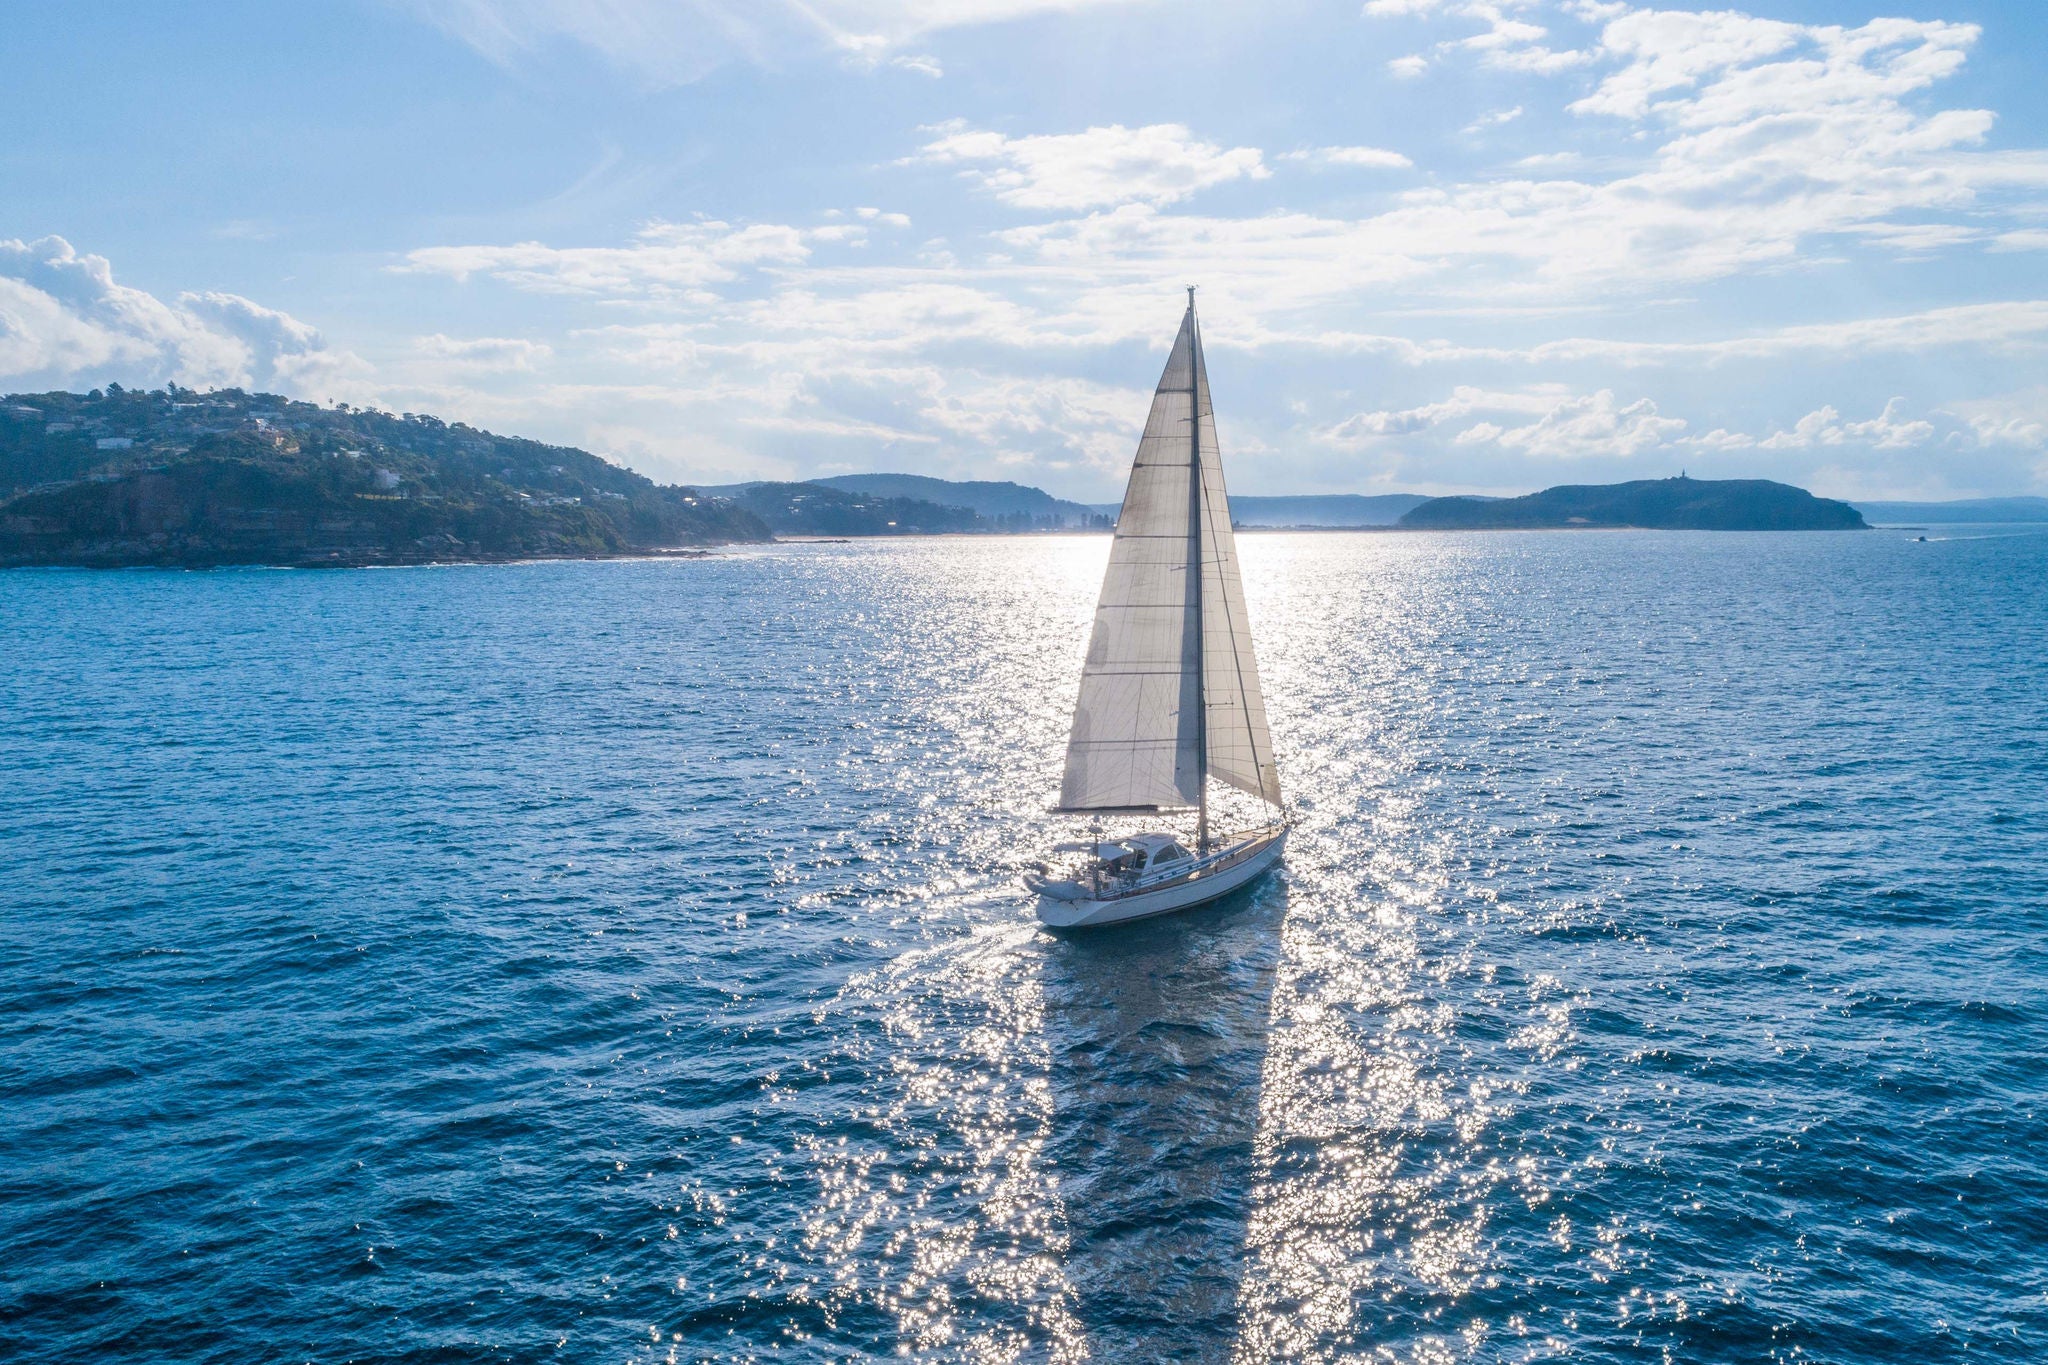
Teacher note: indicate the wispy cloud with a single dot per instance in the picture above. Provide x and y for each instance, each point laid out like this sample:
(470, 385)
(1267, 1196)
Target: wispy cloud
(663, 259)
(1889, 430)
(1641, 251)
(485, 355)
(1160, 163)
(1560, 425)
(672, 42)
(1372, 158)
(1581, 427)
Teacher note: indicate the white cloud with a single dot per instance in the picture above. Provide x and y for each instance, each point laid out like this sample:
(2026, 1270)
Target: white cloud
(2022, 239)
(1581, 427)
(485, 354)
(1773, 134)
(1506, 44)
(1564, 425)
(1720, 438)
(1672, 49)
(2018, 328)
(1409, 67)
(1494, 119)
(1534, 57)
(2015, 419)
(1842, 155)
(1510, 45)
(1748, 156)
(64, 319)
(1378, 158)
(1464, 401)
(1825, 427)
(1157, 164)
(1890, 430)
(1825, 69)
(1758, 164)
(2011, 327)
(663, 259)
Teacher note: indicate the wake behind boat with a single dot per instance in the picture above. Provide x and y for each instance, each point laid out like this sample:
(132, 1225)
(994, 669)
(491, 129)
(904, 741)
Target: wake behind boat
(1170, 691)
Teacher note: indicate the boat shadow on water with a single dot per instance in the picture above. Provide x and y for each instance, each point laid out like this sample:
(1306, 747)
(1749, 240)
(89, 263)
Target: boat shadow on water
(1158, 1031)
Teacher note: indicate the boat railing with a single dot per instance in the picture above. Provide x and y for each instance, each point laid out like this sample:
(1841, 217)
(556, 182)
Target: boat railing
(1246, 844)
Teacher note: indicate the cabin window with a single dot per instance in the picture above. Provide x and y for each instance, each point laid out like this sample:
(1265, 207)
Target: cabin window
(1172, 853)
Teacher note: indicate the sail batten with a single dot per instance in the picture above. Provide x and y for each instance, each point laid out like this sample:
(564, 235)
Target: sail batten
(1170, 692)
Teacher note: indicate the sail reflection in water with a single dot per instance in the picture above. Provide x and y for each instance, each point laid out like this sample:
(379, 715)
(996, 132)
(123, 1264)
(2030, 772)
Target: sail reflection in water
(1058, 1160)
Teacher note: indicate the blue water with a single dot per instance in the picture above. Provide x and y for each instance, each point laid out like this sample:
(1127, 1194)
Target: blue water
(624, 962)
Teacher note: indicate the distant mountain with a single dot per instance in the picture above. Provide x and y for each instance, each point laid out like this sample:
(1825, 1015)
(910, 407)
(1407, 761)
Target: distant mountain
(1965, 509)
(188, 479)
(1019, 507)
(1334, 510)
(1008, 505)
(1669, 504)
(817, 509)
(1319, 511)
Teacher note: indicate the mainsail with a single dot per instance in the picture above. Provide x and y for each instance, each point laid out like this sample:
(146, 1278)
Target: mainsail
(1170, 691)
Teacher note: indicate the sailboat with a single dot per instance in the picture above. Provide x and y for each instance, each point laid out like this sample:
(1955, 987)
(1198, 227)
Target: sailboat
(1170, 691)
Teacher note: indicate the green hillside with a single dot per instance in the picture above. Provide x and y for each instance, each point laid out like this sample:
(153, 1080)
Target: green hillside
(1323, 510)
(816, 509)
(1668, 504)
(1008, 506)
(181, 478)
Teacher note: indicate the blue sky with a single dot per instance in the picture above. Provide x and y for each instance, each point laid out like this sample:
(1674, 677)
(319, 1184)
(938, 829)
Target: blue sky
(1442, 244)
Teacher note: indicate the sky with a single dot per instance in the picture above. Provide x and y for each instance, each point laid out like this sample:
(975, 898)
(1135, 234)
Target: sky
(1441, 245)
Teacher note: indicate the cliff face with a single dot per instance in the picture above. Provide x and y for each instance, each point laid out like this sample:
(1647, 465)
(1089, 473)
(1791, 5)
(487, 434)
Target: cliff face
(1679, 504)
(130, 478)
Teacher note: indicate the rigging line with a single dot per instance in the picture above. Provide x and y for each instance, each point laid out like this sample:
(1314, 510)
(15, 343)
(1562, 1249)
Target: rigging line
(1229, 619)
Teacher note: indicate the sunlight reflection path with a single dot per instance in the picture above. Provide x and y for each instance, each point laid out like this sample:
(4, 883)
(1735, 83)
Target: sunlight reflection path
(940, 1192)
(1375, 1177)
(937, 1222)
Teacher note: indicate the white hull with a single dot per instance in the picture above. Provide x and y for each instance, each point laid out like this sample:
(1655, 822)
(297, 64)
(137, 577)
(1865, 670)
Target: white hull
(1070, 904)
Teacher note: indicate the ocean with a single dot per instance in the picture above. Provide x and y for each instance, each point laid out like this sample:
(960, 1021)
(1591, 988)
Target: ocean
(625, 961)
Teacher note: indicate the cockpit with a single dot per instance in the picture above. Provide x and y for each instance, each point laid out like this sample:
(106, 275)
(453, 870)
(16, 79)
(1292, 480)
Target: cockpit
(1139, 858)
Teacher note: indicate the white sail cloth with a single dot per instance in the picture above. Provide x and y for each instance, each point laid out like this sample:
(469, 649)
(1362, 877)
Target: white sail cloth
(1170, 691)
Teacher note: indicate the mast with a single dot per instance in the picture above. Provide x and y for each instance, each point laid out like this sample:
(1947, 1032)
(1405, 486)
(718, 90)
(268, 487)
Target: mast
(1195, 579)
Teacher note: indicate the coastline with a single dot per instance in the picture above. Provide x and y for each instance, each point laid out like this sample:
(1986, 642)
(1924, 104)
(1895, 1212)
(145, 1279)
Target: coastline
(720, 549)
(394, 562)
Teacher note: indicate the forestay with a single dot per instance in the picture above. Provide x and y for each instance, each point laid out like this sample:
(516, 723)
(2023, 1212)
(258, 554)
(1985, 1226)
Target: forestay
(1170, 691)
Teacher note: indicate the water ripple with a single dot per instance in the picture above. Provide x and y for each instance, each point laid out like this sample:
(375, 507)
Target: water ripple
(625, 961)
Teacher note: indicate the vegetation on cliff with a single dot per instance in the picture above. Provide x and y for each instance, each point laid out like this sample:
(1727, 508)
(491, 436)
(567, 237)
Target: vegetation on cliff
(179, 478)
